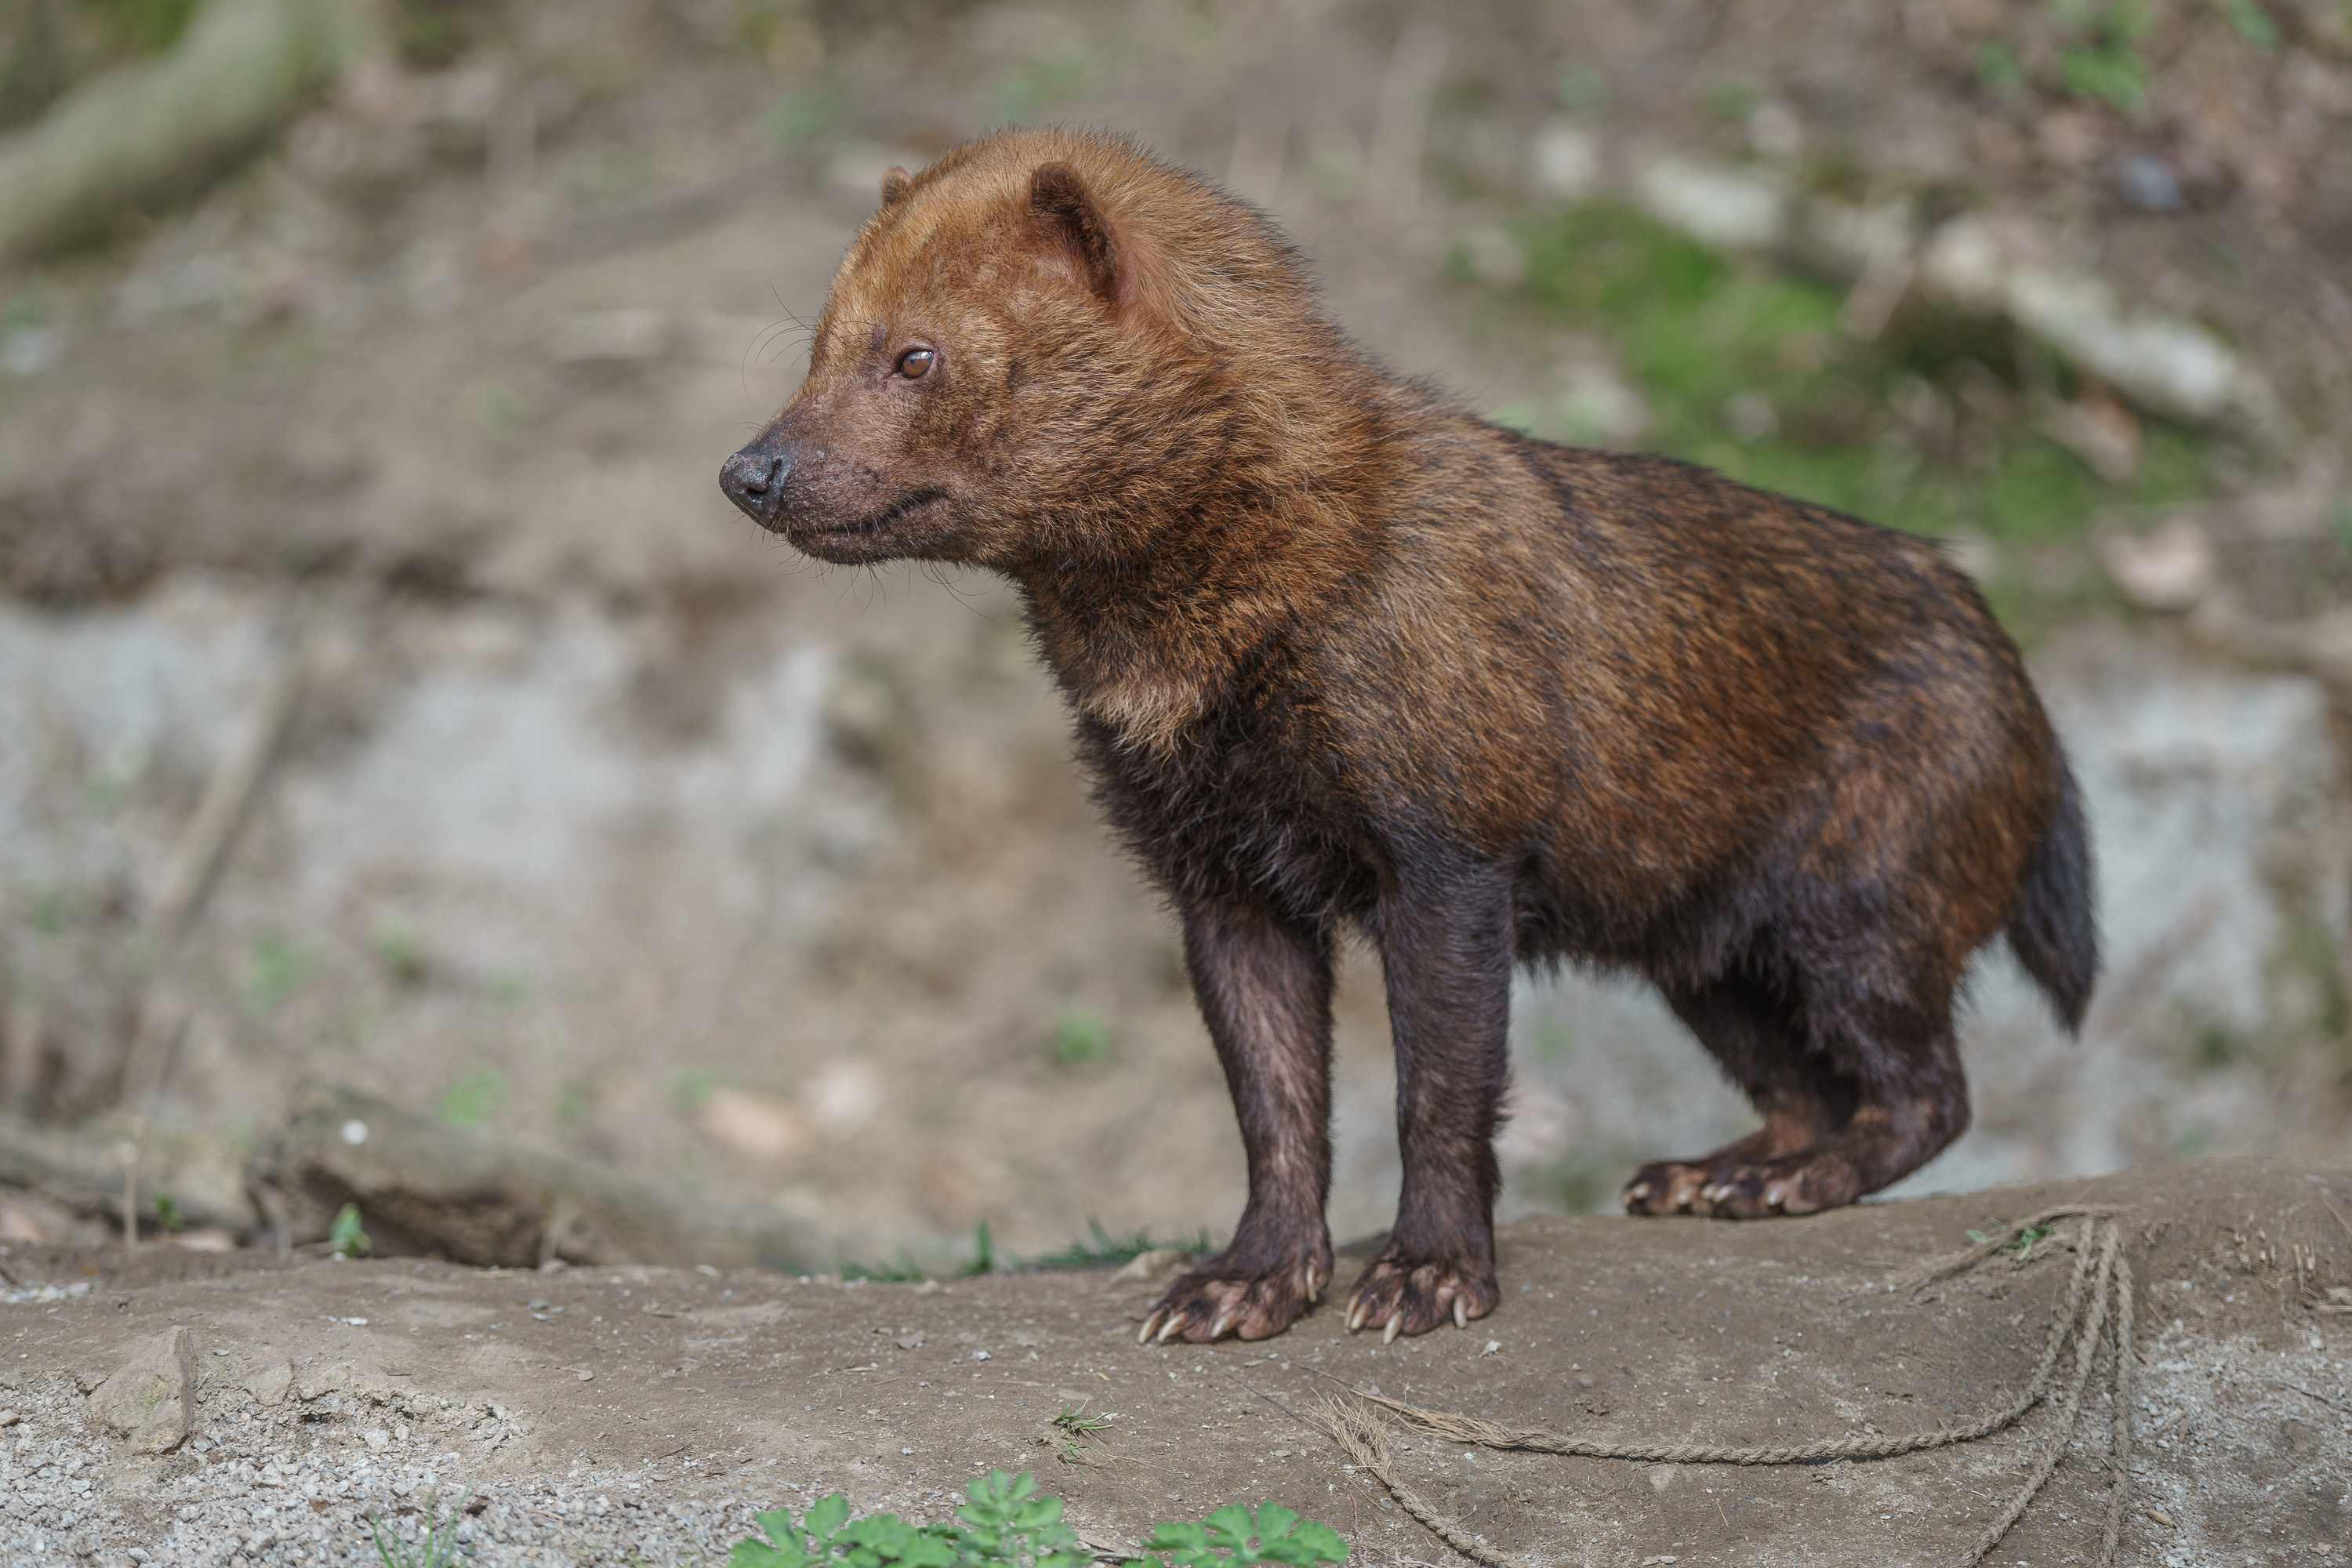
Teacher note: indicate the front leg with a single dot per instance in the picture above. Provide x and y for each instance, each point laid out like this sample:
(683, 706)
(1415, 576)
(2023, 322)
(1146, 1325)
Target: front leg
(1446, 935)
(1263, 984)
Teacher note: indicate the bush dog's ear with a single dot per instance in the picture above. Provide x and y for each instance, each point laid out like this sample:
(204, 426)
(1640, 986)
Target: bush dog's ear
(1058, 196)
(896, 183)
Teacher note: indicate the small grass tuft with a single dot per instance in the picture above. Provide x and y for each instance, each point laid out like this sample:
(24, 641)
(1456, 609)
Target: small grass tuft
(346, 1239)
(1103, 1250)
(1081, 1039)
(2021, 1243)
(983, 1253)
(478, 1094)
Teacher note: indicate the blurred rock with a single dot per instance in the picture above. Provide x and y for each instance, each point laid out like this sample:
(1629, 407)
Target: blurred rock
(1563, 159)
(2173, 567)
(1739, 209)
(1492, 256)
(2100, 431)
(425, 1187)
(1159, 1263)
(1774, 130)
(271, 1384)
(151, 1398)
(2146, 181)
(1981, 267)
(1600, 406)
(751, 1124)
(1751, 416)
(843, 1097)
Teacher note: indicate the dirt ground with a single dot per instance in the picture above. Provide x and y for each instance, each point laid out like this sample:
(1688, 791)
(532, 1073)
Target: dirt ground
(633, 1414)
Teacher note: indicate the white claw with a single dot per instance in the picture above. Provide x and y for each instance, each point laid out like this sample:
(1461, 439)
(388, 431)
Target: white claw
(1175, 1321)
(1461, 1314)
(1396, 1322)
(1144, 1338)
(1637, 1192)
(1217, 1330)
(1355, 1313)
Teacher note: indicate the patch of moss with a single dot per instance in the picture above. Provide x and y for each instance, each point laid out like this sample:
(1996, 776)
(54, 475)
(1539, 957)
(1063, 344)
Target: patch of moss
(1745, 369)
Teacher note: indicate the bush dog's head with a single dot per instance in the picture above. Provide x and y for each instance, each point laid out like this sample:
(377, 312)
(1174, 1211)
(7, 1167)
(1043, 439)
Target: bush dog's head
(1044, 348)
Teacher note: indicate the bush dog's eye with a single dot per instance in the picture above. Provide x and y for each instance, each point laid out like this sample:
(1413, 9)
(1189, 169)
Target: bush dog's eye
(915, 364)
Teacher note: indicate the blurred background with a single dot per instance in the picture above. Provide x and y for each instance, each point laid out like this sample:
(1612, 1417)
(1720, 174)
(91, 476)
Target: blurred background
(389, 699)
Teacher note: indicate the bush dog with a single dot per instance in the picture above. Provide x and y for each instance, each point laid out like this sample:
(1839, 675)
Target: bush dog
(1341, 655)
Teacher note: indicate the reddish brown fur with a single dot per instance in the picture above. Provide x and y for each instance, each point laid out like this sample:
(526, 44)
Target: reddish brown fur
(1340, 653)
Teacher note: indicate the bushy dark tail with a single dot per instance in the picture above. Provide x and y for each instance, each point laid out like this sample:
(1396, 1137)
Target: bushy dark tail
(2054, 929)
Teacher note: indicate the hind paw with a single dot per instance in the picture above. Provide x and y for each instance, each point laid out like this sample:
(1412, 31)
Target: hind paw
(1745, 1189)
(1665, 1186)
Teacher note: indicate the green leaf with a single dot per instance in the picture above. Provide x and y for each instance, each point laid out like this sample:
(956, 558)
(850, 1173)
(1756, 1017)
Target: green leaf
(825, 1519)
(346, 1238)
(927, 1551)
(760, 1554)
(1231, 1527)
(1321, 1541)
(1178, 1537)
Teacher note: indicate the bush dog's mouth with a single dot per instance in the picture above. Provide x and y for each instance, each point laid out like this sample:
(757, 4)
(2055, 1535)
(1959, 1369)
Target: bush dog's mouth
(869, 538)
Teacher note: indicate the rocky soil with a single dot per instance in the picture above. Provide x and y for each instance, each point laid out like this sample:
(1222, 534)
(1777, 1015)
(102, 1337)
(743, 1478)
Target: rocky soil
(633, 1415)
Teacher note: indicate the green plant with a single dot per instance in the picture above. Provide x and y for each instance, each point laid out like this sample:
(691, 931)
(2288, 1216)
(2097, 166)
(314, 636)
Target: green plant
(2252, 24)
(398, 949)
(345, 1239)
(1732, 98)
(2022, 1242)
(281, 967)
(1075, 1424)
(803, 115)
(475, 1098)
(1580, 86)
(1007, 1522)
(1235, 1534)
(142, 27)
(1996, 67)
(690, 1087)
(167, 1214)
(1040, 84)
(1081, 1037)
(1102, 1249)
(983, 1253)
(2104, 61)
(1926, 428)
(437, 1549)
(52, 911)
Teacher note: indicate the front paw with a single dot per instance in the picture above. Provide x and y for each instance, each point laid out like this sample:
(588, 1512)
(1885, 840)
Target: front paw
(1413, 1296)
(1219, 1298)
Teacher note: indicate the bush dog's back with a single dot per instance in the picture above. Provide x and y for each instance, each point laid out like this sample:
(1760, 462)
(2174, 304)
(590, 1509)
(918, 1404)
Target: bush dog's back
(1340, 652)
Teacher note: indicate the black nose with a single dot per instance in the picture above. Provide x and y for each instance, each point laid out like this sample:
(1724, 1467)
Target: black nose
(754, 480)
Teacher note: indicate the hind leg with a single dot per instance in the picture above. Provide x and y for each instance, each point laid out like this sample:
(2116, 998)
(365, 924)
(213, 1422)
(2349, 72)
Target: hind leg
(1759, 1043)
(1851, 1104)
